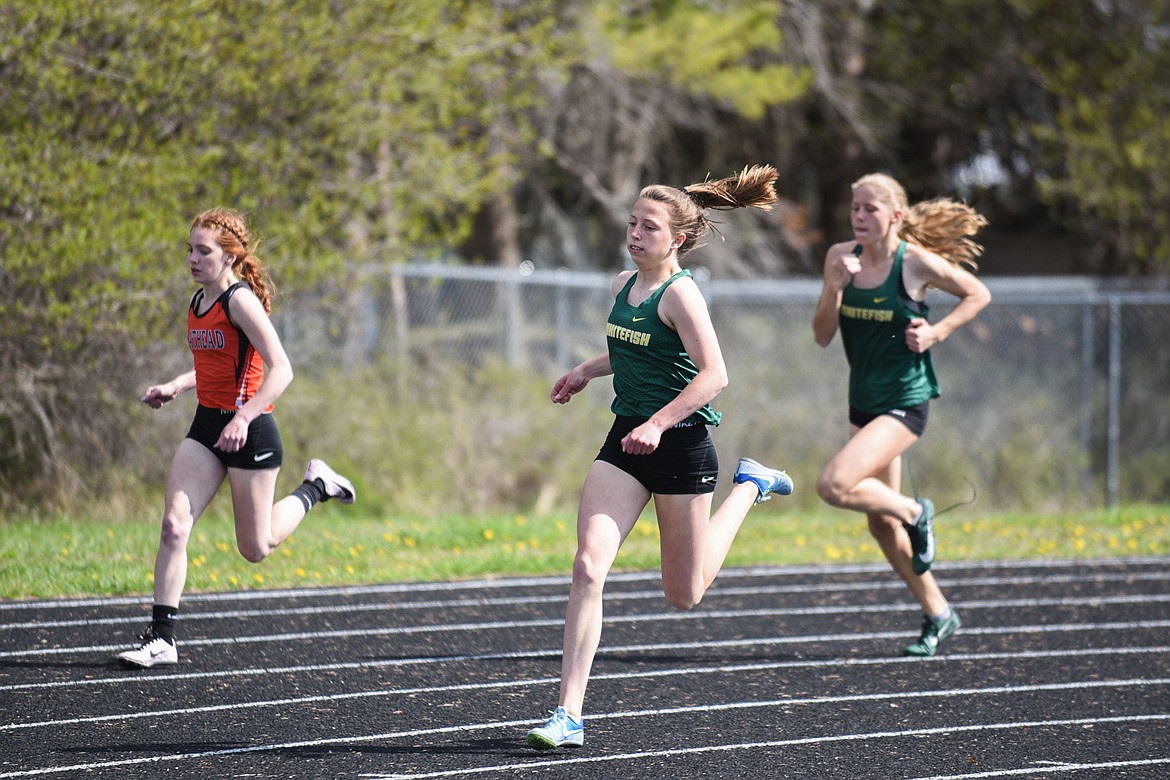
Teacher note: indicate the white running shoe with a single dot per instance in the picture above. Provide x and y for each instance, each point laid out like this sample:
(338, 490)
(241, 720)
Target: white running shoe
(336, 486)
(154, 651)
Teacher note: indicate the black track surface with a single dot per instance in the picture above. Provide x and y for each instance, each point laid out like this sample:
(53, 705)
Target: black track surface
(1061, 669)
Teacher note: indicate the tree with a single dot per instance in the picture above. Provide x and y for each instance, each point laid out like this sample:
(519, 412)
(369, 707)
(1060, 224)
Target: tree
(352, 133)
(650, 98)
(1059, 104)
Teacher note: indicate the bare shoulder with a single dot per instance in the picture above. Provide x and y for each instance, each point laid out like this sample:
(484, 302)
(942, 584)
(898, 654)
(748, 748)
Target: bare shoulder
(923, 263)
(619, 281)
(840, 248)
(682, 301)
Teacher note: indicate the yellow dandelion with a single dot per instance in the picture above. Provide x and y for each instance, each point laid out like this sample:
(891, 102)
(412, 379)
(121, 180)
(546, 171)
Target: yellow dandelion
(489, 534)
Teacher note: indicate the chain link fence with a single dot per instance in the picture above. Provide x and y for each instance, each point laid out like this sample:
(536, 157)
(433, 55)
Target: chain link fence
(1054, 398)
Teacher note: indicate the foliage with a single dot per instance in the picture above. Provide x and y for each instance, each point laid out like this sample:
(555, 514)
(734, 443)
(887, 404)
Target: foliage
(726, 51)
(346, 130)
(1038, 110)
(1106, 151)
(377, 131)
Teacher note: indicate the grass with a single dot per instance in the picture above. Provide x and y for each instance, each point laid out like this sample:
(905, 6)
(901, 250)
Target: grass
(66, 557)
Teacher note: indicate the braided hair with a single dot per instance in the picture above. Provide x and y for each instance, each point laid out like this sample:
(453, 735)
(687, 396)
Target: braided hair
(237, 241)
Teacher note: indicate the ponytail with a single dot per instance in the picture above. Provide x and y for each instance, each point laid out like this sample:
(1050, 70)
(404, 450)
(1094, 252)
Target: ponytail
(945, 227)
(942, 226)
(753, 187)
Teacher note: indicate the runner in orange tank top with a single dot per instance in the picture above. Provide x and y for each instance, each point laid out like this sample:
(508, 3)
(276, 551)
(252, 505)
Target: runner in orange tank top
(234, 434)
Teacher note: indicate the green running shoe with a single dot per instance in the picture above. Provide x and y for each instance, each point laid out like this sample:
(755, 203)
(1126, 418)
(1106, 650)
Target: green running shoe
(922, 538)
(933, 632)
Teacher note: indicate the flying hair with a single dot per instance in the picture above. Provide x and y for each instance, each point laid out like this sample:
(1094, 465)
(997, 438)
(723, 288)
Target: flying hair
(753, 187)
(942, 225)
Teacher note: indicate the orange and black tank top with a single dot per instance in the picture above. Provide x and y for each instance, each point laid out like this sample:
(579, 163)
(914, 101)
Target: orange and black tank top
(228, 369)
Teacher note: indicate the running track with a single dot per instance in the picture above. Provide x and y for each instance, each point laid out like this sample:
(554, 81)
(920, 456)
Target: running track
(1062, 670)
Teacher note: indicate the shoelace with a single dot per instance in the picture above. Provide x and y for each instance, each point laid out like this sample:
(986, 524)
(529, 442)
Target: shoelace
(147, 636)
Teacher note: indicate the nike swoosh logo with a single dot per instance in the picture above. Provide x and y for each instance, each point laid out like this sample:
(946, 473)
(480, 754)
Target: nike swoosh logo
(707, 480)
(157, 653)
(263, 456)
(637, 319)
(879, 300)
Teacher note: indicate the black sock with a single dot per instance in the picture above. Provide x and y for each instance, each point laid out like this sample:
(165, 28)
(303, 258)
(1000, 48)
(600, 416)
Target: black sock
(310, 493)
(162, 622)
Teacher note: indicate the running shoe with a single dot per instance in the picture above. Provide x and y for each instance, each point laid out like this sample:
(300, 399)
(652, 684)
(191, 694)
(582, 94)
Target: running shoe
(933, 632)
(769, 481)
(560, 731)
(154, 651)
(922, 538)
(336, 486)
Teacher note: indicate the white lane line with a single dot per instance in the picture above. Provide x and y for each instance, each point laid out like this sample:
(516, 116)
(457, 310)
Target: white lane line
(542, 763)
(650, 595)
(1059, 767)
(511, 684)
(1081, 565)
(532, 655)
(658, 617)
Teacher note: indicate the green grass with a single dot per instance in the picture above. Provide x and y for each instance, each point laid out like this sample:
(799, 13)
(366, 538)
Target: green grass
(66, 557)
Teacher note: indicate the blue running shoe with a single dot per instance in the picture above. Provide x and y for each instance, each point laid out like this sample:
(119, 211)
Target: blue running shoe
(768, 480)
(922, 538)
(560, 731)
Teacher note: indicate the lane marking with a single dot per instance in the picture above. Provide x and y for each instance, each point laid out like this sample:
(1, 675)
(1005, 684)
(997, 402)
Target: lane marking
(513, 625)
(651, 595)
(1079, 565)
(539, 763)
(511, 684)
(170, 679)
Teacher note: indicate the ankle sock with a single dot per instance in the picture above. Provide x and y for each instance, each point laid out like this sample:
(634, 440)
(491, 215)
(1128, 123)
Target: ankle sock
(162, 621)
(944, 615)
(310, 493)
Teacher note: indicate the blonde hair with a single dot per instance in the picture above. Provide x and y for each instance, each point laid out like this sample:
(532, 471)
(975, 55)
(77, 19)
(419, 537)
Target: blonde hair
(753, 187)
(236, 240)
(942, 225)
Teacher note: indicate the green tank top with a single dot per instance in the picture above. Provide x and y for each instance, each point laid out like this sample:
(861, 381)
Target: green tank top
(883, 373)
(650, 365)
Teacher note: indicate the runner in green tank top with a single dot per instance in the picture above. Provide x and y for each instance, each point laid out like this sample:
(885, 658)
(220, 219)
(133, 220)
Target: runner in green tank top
(875, 293)
(667, 368)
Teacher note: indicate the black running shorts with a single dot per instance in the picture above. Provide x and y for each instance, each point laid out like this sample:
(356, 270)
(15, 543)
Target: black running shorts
(262, 450)
(685, 462)
(913, 417)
